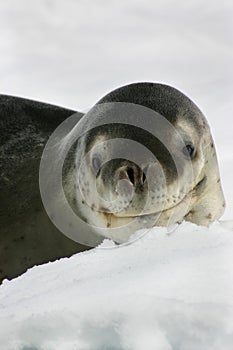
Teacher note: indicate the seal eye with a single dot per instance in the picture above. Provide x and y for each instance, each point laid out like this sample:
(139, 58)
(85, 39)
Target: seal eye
(188, 150)
(96, 163)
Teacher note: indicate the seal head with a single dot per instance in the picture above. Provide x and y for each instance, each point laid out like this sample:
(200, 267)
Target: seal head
(146, 158)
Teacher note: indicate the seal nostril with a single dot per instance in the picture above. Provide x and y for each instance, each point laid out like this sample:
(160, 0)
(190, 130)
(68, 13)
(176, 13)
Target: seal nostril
(143, 177)
(145, 170)
(130, 173)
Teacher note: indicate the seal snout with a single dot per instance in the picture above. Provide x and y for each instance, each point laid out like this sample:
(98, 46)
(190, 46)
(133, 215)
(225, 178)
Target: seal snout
(132, 173)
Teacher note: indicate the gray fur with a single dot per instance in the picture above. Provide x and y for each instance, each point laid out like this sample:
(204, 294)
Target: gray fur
(27, 236)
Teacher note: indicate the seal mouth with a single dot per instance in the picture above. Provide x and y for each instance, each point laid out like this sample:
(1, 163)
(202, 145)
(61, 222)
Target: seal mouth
(192, 193)
(106, 212)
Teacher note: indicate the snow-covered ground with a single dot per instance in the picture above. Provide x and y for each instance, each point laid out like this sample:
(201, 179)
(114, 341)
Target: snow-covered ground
(164, 291)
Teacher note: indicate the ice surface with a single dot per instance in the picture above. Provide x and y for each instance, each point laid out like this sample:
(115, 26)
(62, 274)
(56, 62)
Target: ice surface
(164, 291)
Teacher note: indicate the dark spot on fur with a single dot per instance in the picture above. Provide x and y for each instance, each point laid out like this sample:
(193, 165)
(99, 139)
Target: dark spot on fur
(104, 210)
(212, 145)
(218, 181)
(224, 204)
(108, 224)
(209, 216)
(200, 186)
(83, 202)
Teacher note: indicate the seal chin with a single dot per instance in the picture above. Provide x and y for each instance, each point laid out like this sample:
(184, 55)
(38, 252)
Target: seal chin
(173, 213)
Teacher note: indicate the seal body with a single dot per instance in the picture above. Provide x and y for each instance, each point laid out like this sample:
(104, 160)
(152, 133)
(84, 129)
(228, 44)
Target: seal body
(144, 156)
(27, 236)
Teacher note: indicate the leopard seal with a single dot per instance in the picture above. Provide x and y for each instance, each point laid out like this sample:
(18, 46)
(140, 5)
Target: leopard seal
(143, 157)
(146, 157)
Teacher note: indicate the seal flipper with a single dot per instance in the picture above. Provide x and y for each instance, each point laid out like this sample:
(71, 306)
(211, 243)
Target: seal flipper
(27, 236)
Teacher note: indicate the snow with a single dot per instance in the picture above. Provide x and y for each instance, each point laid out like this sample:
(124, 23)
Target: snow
(163, 291)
